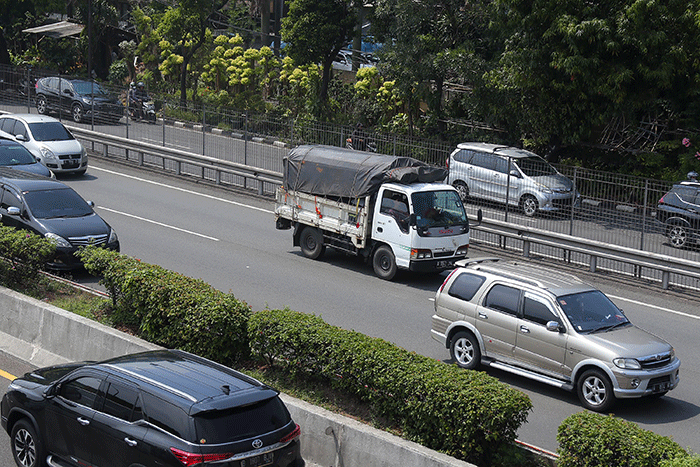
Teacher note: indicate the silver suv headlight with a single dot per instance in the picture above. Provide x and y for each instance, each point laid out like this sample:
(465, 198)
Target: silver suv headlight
(627, 363)
(58, 240)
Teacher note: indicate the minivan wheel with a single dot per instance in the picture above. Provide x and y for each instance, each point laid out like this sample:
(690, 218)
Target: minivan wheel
(462, 189)
(41, 105)
(595, 391)
(77, 113)
(26, 446)
(311, 242)
(677, 234)
(464, 350)
(529, 205)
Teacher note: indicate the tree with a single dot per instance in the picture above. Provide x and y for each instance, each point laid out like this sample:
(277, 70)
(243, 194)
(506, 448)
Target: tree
(570, 66)
(315, 31)
(184, 31)
(429, 43)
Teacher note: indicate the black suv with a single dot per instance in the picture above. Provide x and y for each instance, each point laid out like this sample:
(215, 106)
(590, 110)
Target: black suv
(157, 408)
(679, 211)
(77, 97)
(53, 210)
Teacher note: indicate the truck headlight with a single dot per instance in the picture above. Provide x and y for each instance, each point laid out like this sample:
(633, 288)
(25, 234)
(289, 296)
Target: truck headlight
(627, 363)
(417, 253)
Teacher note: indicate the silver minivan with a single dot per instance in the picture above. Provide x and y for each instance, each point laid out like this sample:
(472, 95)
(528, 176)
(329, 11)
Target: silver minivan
(551, 327)
(509, 175)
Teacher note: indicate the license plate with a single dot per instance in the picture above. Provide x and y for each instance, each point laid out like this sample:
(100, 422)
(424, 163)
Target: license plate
(661, 387)
(259, 461)
(444, 264)
(71, 165)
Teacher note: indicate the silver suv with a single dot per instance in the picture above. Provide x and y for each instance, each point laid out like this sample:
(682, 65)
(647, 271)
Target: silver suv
(509, 175)
(553, 328)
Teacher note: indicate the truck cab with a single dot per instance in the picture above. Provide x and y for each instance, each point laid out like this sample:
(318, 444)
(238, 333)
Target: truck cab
(420, 227)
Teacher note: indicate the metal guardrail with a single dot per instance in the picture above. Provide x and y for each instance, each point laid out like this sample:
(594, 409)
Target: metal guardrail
(223, 172)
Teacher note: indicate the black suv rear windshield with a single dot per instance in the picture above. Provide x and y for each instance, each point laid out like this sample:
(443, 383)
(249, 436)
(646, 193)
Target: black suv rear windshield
(50, 131)
(225, 426)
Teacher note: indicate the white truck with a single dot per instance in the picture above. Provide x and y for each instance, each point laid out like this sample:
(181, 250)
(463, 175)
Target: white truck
(386, 209)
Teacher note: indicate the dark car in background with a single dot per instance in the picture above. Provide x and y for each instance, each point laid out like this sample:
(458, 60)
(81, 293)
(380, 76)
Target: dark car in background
(679, 212)
(13, 154)
(79, 98)
(55, 211)
(157, 408)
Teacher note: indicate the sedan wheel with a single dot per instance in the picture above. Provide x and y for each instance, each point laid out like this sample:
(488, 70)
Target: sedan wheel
(77, 114)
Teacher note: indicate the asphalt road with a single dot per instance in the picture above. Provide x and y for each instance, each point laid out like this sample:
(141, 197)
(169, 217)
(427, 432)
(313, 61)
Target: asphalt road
(229, 240)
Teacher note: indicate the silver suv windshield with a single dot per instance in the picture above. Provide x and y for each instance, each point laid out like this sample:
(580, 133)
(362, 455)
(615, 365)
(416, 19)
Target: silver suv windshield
(592, 311)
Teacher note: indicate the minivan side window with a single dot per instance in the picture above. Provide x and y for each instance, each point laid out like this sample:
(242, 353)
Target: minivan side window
(503, 298)
(464, 155)
(465, 286)
(501, 165)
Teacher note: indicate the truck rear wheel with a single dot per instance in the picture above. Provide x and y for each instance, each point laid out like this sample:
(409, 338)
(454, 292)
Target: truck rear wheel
(384, 263)
(311, 242)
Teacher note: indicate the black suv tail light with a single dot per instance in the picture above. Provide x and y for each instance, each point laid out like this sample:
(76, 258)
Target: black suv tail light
(291, 436)
(190, 458)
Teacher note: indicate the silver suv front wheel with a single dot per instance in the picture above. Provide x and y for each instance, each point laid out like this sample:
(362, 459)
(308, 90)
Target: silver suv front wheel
(595, 391)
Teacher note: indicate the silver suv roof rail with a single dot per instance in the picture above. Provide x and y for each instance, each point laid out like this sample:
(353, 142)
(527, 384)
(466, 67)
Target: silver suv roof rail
(463, 263)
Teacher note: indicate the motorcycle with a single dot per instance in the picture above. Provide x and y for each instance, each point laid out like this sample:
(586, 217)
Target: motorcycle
(143, 110)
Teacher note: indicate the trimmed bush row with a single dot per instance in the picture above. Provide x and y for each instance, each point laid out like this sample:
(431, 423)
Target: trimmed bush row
(589, 439)
(466, 414)
(170, 309)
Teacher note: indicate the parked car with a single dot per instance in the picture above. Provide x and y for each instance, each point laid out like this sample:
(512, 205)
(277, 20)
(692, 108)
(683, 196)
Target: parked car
(157, 408)
(78, 98)
(679, 212)
(53, 210)
(550, 327)
(48, 140)
(509, 175)
(13, 154)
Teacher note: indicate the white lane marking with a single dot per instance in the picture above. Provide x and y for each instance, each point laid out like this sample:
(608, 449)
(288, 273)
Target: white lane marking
(667, 310)
(159, 223)
(182, 190)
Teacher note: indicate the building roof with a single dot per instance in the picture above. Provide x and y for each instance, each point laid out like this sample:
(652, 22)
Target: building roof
(57, 30)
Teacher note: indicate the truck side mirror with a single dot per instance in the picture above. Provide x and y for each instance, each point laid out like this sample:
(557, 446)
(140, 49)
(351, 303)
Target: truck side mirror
(412, 220)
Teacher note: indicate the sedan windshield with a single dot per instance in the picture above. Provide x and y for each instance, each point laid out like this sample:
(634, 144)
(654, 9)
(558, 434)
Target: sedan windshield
(50, 131)
(49, 204)
(592, 311)
(15, 155)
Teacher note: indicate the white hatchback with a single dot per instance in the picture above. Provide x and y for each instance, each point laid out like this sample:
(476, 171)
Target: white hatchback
(48, 140)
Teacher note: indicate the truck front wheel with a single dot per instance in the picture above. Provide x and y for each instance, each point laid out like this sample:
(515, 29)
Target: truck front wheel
(384, 263)
(311, 242)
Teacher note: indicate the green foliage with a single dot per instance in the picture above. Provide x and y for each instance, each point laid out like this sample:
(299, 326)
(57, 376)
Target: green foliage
(118, 72)
(24, 253)
(466, 414)
(682, 460)
(170, 309)
(588, 439)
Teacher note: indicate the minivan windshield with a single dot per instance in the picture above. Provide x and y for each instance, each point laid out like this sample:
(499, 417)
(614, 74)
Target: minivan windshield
(50, 204)
(50, 131)
(216, 426)
(535, 167)
(592, 311)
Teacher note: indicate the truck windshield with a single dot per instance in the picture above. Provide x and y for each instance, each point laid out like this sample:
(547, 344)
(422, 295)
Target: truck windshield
(438, 209)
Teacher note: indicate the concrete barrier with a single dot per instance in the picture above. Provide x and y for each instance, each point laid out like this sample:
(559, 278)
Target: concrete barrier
(43, 335)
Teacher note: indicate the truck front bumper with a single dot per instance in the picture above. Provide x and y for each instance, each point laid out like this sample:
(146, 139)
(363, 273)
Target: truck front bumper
(434, 264)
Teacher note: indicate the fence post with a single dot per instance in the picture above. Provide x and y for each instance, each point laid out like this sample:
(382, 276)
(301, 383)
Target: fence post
(644, 213)
(573, 202)
(245, 145)
(204, 125)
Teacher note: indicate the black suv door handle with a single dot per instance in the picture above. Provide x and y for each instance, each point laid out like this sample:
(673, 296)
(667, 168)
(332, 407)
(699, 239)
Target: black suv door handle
(83, 421)
(130, 442)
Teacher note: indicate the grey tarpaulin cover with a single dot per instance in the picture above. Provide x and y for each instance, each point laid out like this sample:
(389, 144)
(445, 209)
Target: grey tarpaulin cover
(347, 173)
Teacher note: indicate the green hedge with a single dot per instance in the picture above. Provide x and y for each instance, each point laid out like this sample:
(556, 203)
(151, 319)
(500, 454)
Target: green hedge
(466, 414)
(588, 439)
(170, 309)
(25, 254)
